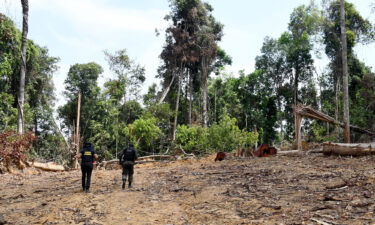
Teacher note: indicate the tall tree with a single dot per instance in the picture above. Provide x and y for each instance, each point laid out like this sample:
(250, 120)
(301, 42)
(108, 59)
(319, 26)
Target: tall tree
(82, 78)
(344, 57)
(129, 75)
(208, 36)
(357, 30)
(21, 94)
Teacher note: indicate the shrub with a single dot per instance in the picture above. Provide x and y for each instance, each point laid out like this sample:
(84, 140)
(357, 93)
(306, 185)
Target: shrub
(227, 136)
(192, 139)
(143, 132)
(224, 136)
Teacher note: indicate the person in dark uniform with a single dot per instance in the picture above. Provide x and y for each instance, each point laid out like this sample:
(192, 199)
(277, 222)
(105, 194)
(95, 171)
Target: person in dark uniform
(87, 156)
(127, 161)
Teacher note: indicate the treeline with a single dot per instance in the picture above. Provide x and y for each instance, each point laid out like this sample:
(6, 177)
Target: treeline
(198, 107)
(39, 91)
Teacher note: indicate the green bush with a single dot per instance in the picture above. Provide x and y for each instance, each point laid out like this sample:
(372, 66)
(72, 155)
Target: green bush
(192, 139)
(224, 136)
(143, 132)
(227, 136)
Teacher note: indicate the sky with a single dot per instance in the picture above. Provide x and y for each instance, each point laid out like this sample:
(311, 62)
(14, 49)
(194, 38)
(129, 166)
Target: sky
(78, 31)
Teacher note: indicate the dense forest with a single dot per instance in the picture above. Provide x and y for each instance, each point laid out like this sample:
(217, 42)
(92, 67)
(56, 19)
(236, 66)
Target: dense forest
(197, 107)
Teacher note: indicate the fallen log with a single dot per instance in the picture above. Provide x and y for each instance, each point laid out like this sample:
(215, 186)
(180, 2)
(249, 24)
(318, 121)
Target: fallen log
(111, 164)
(114, 164)
(317, 150)
(348, 149)
(290, 152)
(50, 166)
(157, 157)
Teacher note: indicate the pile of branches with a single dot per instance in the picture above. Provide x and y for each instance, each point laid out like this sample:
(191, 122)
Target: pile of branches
(13, 148)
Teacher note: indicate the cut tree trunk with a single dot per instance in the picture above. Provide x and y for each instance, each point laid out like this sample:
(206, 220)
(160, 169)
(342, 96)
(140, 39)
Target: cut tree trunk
(51, 166)
(344, 149)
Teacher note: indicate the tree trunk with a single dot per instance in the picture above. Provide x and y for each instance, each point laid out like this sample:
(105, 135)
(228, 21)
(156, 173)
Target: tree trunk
(296, 77)
(337, 104)
(214, 118)
(177, 104)
(205, 91)
(190, 98)
(345, 72)
(348, 149)
(77, 136)
(297, 124)
(21, 93)
(166, 90)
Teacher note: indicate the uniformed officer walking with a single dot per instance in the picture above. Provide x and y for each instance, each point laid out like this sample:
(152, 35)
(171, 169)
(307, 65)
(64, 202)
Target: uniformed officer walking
(127, 161)
(88, 156)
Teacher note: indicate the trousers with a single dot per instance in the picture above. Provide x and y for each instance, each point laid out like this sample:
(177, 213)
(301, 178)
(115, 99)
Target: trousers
(127, 172)
(86, 176)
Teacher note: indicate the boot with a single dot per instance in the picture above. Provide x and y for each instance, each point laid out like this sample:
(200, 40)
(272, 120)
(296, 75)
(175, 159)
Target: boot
(123, 185)
(130, 185)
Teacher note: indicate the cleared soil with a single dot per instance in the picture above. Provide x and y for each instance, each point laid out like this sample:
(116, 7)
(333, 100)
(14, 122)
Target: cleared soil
(296, 189)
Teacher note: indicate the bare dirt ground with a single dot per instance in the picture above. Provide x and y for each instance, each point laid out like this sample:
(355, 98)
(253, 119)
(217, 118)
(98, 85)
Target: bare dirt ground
(277, 190)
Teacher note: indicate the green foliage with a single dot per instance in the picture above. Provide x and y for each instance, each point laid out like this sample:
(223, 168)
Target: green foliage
(82, 78)
(163, 113)
(192, 139)
(130, 111)
(226, 136)
(222, 136)
(143, 132)
(7, 112)
(130, 76)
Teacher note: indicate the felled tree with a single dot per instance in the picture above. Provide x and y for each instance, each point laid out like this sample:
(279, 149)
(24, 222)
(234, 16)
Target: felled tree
(13, 148)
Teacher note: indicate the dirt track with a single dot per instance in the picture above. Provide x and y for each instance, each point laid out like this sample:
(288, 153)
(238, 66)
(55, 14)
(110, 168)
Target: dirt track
(277, 190)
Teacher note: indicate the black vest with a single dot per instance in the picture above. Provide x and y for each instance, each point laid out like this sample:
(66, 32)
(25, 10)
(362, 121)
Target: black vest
(128, 154)
(87, 157)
